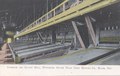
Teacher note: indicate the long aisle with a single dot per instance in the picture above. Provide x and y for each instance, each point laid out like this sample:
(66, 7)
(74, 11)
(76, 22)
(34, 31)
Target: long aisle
(79, 57)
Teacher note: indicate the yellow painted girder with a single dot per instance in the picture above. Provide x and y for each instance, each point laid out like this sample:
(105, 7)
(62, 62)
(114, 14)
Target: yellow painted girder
(71, 13)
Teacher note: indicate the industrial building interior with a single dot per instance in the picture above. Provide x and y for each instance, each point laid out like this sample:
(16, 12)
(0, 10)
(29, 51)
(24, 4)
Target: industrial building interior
(77, 32)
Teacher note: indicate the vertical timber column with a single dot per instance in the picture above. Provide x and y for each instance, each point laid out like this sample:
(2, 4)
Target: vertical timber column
(78, 34)
(53, 35)
(40, 37)
(75, 40)
(90, 29)
(97, 35)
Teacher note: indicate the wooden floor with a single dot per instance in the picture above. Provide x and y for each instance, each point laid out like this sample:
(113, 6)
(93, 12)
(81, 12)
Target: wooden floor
(5, 55)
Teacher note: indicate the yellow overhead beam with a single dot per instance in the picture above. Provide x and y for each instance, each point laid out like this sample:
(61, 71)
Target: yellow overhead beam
(85, 7)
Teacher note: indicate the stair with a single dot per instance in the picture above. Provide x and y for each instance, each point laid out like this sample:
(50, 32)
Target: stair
(5, 55)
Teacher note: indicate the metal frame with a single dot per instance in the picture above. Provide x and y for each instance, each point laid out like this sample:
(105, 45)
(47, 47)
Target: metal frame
(82, 8)
(78, 34)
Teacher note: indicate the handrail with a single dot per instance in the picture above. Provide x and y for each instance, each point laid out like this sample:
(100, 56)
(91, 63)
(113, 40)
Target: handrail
(47, 13)
(53, 10)
(78, 9)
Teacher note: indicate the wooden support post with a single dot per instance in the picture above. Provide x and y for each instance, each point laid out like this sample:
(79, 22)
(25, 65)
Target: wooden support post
(63, 7)
(54, 13)
(97, 35)
(76, 43)
(78, 34)
(40, 37)
(53, 35)
(47, 16)
(90, 29)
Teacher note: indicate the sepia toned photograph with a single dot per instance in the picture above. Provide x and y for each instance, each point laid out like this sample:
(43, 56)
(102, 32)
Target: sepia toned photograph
(60, 32)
